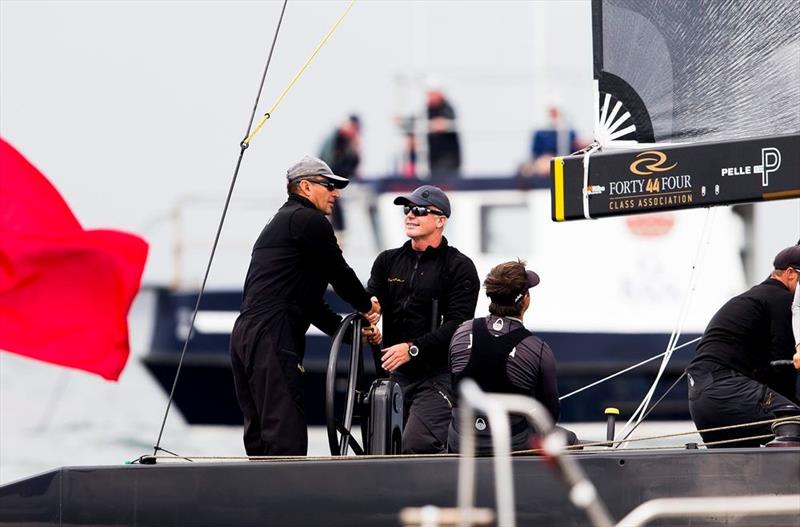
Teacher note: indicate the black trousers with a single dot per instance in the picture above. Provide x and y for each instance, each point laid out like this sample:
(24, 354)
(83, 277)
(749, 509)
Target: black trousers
(724, 397)
(268, 376)
(427, 410)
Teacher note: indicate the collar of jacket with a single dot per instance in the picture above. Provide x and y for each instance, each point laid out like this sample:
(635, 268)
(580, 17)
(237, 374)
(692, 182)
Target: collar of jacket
(429, 253)
(302, 201)
(775, 282)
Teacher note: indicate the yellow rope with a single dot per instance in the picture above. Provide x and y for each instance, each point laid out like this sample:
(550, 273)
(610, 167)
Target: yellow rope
(297, 75)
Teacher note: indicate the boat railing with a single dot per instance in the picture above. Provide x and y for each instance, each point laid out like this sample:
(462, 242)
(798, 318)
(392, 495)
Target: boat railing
(497, 408)
(726, 506)
(582, 492)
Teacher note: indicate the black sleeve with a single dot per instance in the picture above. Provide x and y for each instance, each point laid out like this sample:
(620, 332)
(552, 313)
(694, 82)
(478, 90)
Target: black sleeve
(784, 380)
(546, 389)
(376, 286)
(460, 298)
(460, 349)
(325, 319)
(780, 329)
(315, 235)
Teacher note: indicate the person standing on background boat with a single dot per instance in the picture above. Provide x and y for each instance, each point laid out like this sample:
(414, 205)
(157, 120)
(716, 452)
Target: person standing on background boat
(444, 147)
(730, 378)
(502, 356)
(293, 261)
(426, 288)
(342, 152)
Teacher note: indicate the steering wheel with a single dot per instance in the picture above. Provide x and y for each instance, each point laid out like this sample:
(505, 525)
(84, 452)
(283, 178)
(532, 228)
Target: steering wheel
(340, 436)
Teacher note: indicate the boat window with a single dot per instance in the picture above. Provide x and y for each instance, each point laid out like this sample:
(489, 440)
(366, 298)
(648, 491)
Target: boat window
(503, 229)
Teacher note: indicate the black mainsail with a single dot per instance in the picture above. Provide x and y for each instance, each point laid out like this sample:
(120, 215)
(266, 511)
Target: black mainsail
(714, 84)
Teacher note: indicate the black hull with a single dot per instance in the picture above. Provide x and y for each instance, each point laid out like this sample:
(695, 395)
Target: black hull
(371, 492)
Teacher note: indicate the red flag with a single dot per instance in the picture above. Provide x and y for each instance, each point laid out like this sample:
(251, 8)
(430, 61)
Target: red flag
(65, 292)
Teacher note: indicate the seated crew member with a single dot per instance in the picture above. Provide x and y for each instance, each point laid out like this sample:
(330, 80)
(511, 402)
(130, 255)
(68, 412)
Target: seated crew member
(426, 288)
(730, 378)
(502, 356)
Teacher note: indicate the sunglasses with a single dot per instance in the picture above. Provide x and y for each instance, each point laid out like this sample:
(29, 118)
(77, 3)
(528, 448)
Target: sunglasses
(419, 210)
(330, 185)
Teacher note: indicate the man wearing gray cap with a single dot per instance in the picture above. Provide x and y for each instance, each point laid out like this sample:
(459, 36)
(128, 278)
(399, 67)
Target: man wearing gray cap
(731, 380)
(293, 261)
(426, 288)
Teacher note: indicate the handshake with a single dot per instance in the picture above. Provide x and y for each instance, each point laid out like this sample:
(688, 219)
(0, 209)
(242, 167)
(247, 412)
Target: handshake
(372, 333)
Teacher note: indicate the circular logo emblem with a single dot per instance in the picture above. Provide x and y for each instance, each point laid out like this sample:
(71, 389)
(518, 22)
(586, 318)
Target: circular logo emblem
(650, 162)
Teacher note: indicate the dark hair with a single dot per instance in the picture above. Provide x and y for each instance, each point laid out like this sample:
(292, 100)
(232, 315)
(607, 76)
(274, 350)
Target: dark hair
(293, 186)
(503, 284)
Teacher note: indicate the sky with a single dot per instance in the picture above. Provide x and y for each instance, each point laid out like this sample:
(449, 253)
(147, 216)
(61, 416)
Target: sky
(131, 108)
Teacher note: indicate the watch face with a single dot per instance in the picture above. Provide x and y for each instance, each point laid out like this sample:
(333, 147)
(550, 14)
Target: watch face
(413, 351)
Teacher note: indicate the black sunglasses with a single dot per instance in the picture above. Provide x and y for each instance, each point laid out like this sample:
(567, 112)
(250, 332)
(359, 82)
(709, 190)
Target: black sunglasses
(419, 210)
(330, 185)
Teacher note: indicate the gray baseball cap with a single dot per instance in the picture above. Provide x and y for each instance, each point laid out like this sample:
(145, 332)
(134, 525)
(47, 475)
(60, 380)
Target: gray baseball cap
(426, 195)
(309, 167)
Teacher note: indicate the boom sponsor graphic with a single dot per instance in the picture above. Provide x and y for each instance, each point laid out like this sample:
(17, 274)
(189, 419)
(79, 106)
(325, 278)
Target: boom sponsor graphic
(680, 176)
(654, 189)
(770, 162)
(650, 162)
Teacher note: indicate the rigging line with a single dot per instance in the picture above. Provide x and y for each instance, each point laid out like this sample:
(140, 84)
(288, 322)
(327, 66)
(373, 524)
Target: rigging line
(699, 256)
(571, 448)
(629, 368)
(266, 68)
(242, 148)
(297, 75)
(649, 410)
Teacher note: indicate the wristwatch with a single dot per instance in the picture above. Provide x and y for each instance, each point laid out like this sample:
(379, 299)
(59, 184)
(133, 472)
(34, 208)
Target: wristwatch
(413, 350)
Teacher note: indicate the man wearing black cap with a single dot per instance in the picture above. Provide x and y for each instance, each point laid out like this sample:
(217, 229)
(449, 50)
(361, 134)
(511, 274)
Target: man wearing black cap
(426, 288)
(731, 380)
(293, 261)
(502, 356)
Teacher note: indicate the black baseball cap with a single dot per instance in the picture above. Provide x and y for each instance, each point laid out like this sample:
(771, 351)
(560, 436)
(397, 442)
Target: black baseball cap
(789, 257)
(426, 195)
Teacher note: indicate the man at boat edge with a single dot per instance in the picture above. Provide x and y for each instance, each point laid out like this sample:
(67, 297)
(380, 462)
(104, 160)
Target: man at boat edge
(426, 288)
(731, 380)
(502, 356)
(294, 259)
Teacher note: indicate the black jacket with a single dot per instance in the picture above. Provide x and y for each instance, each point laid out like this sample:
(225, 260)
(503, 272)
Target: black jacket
(406, 282)
(531, 368)
(294, 259)
(748, 332)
